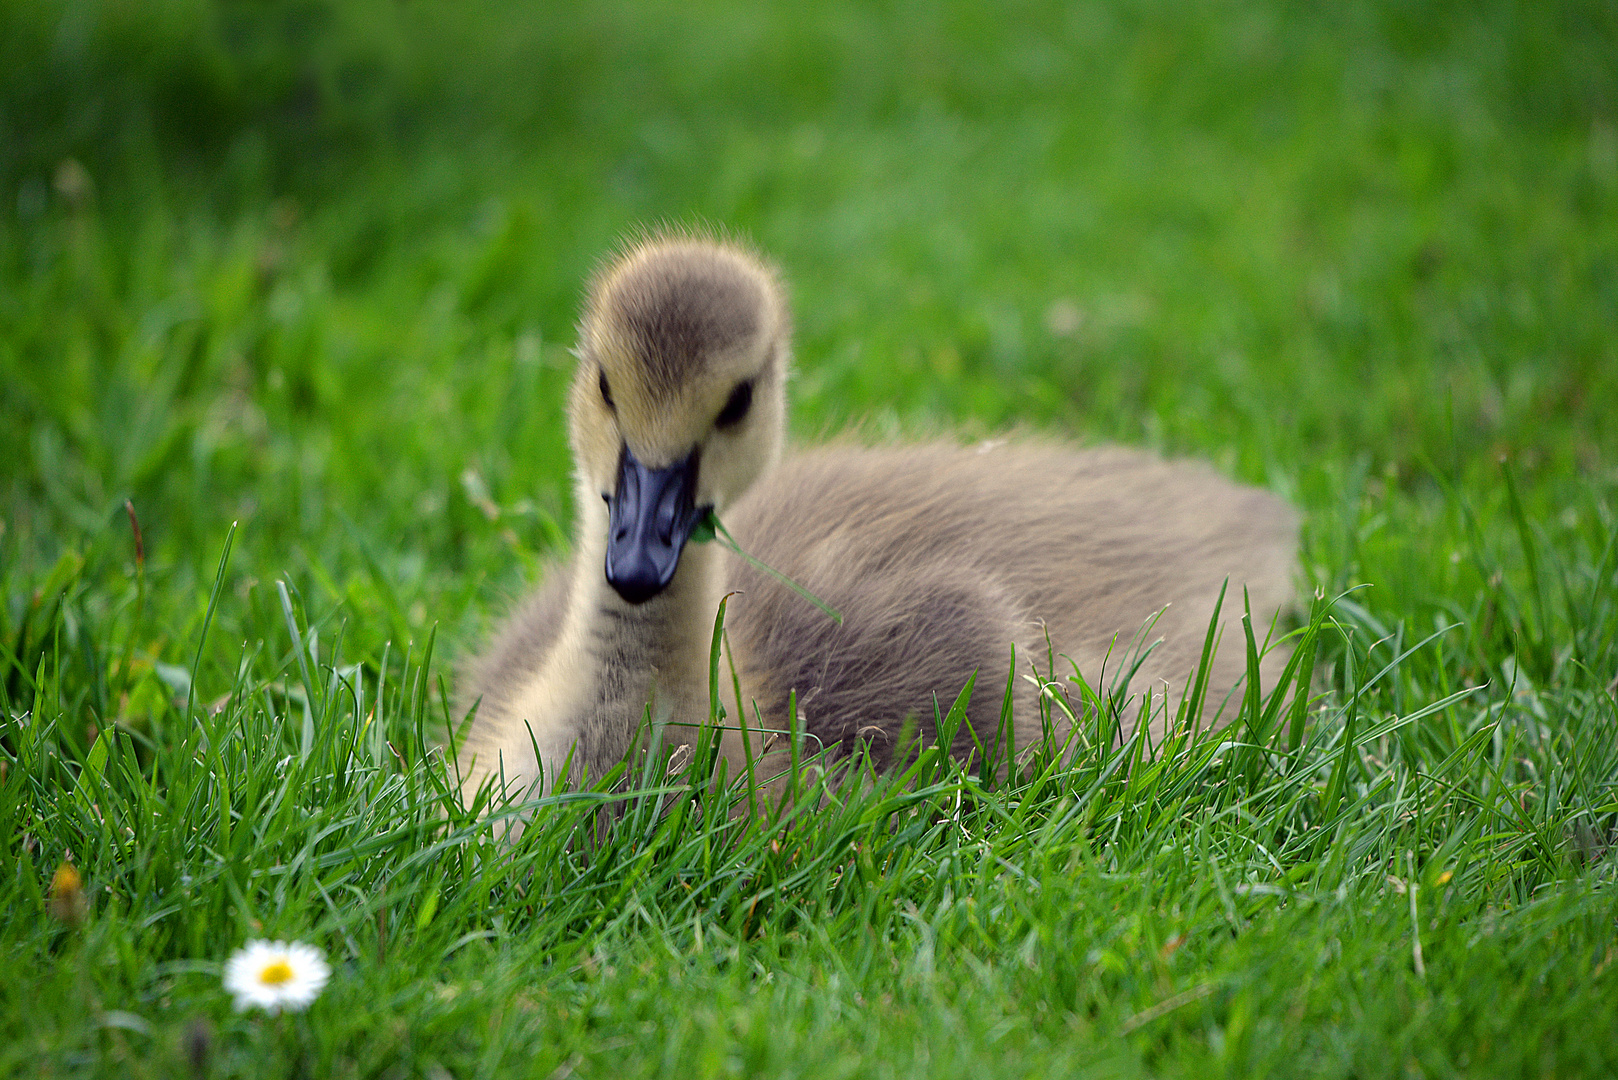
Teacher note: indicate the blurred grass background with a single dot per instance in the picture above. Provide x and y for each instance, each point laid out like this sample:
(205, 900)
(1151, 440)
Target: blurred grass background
(295, 262)
(313, 267)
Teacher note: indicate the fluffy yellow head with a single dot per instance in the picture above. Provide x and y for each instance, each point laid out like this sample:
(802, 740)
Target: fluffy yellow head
(684, 347)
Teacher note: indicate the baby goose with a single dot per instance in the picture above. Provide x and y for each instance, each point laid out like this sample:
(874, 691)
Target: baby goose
(940, 558)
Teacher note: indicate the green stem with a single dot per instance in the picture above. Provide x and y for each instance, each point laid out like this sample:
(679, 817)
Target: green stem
(710, 527)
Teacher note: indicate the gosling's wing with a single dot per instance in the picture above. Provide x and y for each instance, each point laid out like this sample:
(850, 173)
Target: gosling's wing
(941, 557)
(897, 548)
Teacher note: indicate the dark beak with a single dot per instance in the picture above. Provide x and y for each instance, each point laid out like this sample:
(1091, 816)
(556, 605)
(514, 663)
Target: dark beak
(650, 517)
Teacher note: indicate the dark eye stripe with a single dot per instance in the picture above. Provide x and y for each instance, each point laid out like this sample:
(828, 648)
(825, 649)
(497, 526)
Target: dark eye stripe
(741, 399)
(606, 391)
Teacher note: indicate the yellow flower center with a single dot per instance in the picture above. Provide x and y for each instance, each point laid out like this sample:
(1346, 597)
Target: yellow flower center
(276, 974)
(65, 880)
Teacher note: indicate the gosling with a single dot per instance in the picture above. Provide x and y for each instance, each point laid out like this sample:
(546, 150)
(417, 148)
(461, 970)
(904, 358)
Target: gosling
(943, 560)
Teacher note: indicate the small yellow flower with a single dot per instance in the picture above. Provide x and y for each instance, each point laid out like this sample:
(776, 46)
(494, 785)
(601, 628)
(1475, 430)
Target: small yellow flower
(276, 975)
(67, 901)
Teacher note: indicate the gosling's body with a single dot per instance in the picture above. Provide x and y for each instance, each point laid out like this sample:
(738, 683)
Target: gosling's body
(942, 559)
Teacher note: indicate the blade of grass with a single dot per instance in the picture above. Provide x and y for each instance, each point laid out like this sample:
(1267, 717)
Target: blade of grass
(207, 620)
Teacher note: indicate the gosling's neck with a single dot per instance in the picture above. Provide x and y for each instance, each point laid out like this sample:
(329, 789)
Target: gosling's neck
(625, 656)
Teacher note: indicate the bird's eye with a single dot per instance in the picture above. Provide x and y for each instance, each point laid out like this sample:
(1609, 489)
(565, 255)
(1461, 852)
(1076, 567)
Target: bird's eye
(741, 399)
(606, 391)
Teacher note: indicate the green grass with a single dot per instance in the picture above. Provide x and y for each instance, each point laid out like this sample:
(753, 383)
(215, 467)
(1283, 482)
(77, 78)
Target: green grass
(314, 272)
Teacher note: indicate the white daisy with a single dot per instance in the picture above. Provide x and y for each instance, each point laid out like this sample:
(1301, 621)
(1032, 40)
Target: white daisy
(276, 975)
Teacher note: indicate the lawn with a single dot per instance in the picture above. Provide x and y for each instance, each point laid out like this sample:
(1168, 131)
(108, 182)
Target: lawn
(287, 293)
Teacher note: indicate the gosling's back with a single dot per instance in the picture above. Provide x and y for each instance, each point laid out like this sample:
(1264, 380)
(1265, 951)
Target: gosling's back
(941, 558)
